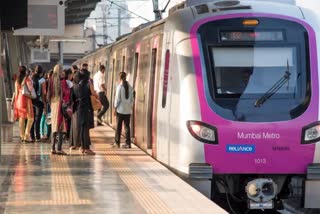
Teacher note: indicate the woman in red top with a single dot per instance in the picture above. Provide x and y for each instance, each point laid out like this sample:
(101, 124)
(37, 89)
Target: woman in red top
(23, 109)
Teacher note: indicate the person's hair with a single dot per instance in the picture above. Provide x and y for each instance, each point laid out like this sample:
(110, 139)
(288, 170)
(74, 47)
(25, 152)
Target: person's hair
(85, 64)
(56, 80)
(102, 67)
(50, 73)
(68, 72)
(75, 67)
(123, 77)
(22, 72)
(77, 78)
(38, 70)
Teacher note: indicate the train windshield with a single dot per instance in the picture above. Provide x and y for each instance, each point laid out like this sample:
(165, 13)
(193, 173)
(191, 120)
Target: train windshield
(245, 72)
(257, 79)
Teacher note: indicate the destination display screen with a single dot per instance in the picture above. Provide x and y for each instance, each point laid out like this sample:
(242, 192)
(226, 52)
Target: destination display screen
(248, 36)
(43, 16)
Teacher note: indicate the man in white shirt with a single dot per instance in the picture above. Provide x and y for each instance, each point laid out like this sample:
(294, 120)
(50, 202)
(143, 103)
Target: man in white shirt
(99, 86)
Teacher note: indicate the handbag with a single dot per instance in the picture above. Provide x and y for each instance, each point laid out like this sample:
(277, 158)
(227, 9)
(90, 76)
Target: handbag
(66, 110)
(95, 103)
(26, 92)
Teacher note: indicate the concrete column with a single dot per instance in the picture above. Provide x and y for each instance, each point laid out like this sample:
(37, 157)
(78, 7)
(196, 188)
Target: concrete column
(60, 44)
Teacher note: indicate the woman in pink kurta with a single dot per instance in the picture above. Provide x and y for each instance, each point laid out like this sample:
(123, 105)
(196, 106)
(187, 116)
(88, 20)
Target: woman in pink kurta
(23, 109)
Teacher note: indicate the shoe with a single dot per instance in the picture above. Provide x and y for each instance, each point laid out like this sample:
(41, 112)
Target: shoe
(38, 140)
(126, 146)
(61, 153)
(89, 152)
(115, 145)
(53, 152)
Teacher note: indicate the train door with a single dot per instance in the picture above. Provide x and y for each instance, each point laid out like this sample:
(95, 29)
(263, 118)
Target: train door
(142, 93)
(110, 89)
(156, 64)
(163, 125)
(134, 78)
(150, 108)
(114, 87)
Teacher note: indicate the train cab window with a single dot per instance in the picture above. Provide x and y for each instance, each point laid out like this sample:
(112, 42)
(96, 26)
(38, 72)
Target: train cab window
(251, 74)
(247, 71)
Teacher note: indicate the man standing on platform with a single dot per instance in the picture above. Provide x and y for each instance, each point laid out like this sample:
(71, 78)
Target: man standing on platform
(100, 88)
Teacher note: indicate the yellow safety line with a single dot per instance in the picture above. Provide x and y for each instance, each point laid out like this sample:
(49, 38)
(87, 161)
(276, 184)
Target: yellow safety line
(63, 187)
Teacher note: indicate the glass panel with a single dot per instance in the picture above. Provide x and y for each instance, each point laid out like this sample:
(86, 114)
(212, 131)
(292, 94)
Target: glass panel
(254, 70)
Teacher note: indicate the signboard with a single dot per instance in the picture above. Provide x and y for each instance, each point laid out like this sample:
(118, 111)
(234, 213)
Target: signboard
(45, 17)
(40, 55)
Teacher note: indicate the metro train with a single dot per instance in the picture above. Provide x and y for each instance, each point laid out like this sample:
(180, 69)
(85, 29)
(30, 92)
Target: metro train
(227, 91)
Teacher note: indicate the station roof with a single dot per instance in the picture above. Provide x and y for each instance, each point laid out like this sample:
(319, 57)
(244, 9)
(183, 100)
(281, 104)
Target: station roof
(78, 10)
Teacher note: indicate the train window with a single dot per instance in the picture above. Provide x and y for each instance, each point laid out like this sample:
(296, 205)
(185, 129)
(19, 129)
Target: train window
(256, 69)
(165, 79)
(118, 66)
(123, 63)
(136, 64)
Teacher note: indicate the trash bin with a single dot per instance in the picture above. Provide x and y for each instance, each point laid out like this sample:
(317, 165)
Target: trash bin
(9, 109)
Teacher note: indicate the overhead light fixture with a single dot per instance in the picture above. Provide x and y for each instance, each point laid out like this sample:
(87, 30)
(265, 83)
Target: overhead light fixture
(68, 40)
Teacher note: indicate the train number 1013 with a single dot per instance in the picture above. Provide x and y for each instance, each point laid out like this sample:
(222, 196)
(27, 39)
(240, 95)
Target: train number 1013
(260, 161)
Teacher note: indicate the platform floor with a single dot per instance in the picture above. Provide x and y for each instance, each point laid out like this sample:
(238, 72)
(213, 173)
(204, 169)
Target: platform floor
(113, 181)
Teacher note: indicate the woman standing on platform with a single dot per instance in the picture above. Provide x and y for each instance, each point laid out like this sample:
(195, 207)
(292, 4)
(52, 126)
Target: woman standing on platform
(56, 92)
(23, 109)
(82, 93)
(123, 108)
(74, 132)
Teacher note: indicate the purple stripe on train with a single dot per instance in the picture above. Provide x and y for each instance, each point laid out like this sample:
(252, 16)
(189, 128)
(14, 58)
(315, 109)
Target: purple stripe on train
(277, 146)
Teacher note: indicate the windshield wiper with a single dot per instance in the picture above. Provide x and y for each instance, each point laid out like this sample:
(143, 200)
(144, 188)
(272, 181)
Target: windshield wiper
(276, 87)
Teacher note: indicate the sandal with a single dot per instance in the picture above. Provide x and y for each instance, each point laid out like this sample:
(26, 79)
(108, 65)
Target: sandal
(73, 148)
(81, 150)
(28, 141)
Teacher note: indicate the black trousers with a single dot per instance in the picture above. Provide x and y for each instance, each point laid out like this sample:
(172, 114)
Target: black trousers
(54, 139)
(105, 104)
(35, 129)
(120, 119)
(84, 136)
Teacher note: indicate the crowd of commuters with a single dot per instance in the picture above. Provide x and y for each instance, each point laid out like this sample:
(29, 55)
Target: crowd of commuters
(56, 105)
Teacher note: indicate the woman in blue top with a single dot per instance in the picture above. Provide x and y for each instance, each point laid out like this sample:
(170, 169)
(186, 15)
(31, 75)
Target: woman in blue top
(123, 109)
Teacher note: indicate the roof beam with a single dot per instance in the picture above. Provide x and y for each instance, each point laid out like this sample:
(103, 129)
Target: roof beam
(83, 5)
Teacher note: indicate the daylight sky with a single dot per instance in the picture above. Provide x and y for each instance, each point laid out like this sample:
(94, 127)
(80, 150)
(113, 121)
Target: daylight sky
(145, 7)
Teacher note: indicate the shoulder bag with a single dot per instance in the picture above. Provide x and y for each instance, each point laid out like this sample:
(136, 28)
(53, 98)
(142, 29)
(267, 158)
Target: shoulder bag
(26, 92)
(95, 103)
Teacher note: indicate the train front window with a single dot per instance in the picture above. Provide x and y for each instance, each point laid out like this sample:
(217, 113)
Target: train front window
(247, 72)
(256, 74)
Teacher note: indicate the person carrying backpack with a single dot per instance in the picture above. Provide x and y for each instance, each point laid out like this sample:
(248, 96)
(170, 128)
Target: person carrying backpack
(39, 103)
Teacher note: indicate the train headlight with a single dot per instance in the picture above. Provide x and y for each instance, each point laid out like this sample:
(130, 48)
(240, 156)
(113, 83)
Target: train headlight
(203, 132)
(311, 133)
